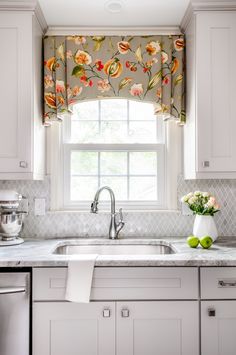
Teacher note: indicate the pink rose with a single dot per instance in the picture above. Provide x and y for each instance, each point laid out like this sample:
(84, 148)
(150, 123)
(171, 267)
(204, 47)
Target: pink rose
(136, 90)
(103, 85)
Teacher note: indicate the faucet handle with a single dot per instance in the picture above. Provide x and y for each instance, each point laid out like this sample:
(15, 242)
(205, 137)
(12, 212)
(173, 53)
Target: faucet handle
(94, 207)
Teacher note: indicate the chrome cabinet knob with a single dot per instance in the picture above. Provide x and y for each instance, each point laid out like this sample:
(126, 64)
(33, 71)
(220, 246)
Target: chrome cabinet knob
(106, 313)
(206, 164)
(211, 312)
(23, 164)
(125, 313)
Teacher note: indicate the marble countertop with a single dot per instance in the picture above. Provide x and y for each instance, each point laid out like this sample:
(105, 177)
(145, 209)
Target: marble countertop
(36, 253)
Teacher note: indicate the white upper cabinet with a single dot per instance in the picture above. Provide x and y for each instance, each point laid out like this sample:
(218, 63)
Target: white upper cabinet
(209, 135)
(21, 131)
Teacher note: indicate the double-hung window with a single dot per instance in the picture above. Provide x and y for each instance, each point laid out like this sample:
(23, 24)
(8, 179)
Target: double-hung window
(117, 143)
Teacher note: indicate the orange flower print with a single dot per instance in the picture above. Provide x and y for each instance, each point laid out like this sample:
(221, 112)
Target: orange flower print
(76, 91)
(82, 57)
(103, 85)
(136, 90)
(48, 81)
(60, 100)
(179, 44)
(60, 86)
(50, 63)
(175, 65)
(123, 47)
(113, 68)
(50, 99)
(153, 47)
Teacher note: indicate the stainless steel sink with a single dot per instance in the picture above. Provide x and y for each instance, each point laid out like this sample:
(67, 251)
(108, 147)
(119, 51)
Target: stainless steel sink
(115, 249)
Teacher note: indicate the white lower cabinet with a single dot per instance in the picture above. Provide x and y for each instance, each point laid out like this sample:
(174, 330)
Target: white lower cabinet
(61, 328)
(157, 328)
(109, 328)
(218, 328)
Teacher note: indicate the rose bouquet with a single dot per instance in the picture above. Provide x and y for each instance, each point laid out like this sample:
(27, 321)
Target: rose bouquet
(201, 203)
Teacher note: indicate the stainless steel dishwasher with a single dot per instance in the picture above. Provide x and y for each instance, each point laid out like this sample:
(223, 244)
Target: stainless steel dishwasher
(14, 313)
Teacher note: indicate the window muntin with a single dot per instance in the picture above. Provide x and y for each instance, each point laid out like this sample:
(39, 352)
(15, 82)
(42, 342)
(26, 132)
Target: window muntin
(118, 143)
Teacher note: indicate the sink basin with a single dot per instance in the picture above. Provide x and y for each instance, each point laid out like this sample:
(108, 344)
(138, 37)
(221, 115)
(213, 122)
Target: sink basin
(115, 249)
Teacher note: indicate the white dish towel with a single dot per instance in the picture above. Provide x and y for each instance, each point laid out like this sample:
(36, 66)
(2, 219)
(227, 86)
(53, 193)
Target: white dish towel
(79, 278)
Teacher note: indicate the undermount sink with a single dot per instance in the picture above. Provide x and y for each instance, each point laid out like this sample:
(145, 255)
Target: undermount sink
(115, 249)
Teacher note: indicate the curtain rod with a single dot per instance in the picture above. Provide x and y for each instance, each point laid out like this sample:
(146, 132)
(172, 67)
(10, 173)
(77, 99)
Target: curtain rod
(112, 31)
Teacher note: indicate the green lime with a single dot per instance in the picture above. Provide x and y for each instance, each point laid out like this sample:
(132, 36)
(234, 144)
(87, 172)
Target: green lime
(193, 241)
(206, 241)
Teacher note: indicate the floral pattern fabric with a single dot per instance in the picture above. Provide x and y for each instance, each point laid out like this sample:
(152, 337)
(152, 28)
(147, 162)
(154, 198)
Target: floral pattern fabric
(145, 68)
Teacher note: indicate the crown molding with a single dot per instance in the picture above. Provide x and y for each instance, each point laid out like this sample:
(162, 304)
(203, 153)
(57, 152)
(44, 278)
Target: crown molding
(198, 6)
(26, 5)
(112, 31)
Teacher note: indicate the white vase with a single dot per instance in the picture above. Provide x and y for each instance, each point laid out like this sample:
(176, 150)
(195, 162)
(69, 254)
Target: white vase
(205, 225)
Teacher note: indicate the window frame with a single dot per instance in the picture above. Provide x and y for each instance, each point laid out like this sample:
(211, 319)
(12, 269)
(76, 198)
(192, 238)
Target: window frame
(59, 150)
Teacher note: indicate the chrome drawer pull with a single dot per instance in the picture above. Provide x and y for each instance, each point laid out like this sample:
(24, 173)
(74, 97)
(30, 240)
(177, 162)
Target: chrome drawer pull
(9, 290)
(222, 283)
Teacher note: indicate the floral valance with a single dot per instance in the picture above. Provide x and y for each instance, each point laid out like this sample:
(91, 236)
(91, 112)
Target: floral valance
(145, 68)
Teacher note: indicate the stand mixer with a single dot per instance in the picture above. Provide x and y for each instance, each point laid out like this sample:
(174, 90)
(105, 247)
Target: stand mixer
(11, 218)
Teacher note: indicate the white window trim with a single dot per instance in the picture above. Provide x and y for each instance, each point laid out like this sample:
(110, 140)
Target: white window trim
(172, 154)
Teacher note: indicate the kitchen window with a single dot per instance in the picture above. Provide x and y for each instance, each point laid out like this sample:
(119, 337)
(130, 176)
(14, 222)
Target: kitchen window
(115, 142)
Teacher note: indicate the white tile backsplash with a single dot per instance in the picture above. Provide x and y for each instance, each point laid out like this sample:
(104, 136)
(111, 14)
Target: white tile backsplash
(137, 224)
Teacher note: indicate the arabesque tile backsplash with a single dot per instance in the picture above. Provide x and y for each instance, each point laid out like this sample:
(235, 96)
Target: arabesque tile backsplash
(137, 224)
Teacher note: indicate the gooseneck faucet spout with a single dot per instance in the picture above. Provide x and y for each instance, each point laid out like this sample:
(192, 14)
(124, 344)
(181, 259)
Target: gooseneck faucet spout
(115, 227)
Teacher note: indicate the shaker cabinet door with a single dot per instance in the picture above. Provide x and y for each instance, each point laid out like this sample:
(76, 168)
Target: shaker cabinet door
(157, 328)
(218, 328)
(15, 92)
(62, 328)
(216, 94)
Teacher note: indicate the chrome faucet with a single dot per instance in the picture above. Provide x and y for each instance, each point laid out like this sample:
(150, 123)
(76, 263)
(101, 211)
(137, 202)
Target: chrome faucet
(115, 227)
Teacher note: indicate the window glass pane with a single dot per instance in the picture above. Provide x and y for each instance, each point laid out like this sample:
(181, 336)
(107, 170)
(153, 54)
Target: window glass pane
(88, 110)
(143, 163)
(83, 188)
(118, 185)
(142, 132)
(84, 132)
(113, 132)
(141, 111)
(114, 109)
(84, 163)
(113, 163)
(143, 188)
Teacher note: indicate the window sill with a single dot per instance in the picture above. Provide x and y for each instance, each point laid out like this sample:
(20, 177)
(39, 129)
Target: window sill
(108, 212)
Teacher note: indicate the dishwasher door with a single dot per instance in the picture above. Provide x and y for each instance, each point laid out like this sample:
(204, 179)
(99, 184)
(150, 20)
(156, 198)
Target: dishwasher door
(14, 313)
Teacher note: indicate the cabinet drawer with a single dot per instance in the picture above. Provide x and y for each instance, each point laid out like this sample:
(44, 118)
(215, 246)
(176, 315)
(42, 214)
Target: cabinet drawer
(218, 282)
(113, 283)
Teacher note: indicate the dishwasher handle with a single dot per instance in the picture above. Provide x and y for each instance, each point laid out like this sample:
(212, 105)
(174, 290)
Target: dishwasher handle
(12, 290)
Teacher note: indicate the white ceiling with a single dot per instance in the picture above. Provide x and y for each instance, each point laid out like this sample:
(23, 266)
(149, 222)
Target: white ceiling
(94, 13)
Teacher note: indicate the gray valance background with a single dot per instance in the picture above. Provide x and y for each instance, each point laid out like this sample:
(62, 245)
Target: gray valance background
(144, 68)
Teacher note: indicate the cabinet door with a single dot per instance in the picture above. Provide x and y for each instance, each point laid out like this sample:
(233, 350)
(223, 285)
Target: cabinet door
(157, 328)
(218, 328)
(62, 328)
(15, 92)
(216, 94)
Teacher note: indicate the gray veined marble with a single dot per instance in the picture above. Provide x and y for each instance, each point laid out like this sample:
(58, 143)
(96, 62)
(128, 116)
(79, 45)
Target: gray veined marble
(41, 253)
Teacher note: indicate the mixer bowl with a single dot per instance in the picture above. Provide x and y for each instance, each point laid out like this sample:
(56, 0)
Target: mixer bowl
(11, 224)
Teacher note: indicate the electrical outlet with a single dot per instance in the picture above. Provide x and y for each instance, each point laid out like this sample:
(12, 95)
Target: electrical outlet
(39, 206)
